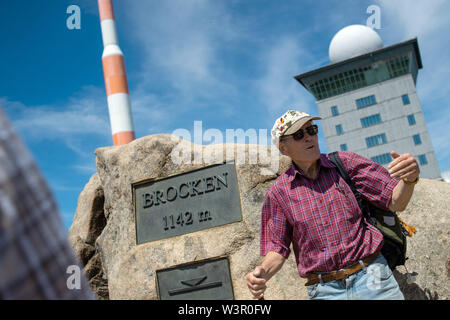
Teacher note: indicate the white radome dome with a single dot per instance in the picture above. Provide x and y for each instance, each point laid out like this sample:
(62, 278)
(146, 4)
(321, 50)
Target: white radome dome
(353, 41)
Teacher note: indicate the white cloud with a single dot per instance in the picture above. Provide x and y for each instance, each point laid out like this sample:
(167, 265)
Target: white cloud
(446, 176)
(181, 39)
(277, 89)
(57, 186)
(84, 114)
(421, 18)
(149, 112)
(89, 167)
(183, 46)
(81, 125)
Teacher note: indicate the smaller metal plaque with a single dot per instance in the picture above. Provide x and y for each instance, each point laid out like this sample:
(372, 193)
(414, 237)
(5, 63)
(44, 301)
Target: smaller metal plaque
(204, 280)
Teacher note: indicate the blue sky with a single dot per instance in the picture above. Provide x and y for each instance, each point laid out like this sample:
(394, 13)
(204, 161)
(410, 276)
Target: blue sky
(228, 63)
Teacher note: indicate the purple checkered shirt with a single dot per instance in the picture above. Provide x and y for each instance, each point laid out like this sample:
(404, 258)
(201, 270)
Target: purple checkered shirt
(35, 254)
(321, 217)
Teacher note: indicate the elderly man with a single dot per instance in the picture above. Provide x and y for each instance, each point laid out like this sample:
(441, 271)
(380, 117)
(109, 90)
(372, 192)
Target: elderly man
(313, 208)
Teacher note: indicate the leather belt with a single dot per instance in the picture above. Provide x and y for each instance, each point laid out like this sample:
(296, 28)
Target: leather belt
(313, 278)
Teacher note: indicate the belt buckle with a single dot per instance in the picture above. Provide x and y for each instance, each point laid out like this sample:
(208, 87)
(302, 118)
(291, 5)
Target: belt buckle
(337, 272)
(343, 270)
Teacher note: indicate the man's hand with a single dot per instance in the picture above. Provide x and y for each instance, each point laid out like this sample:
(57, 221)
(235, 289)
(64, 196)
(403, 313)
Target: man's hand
(404, 167)
(256, 283)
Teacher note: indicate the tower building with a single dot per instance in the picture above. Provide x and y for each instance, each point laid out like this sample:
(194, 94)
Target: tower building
(367, 99)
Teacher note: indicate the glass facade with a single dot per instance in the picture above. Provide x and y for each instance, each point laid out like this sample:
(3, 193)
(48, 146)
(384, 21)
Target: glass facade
(361, 77)
(370, 120)
(411, 120)
(382, 158)
(376, 140)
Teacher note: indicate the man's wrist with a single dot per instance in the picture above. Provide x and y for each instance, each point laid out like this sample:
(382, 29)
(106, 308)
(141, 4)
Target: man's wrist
(411, 182)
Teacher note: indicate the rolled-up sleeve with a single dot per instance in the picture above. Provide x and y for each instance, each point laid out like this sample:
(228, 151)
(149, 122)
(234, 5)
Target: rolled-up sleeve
(372, 180)
(276, 231)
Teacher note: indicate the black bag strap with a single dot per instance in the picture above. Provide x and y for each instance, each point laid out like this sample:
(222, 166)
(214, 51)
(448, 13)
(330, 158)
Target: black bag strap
(334, 158)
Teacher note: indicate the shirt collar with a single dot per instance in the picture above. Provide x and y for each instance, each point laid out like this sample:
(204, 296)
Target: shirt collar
(322, 162)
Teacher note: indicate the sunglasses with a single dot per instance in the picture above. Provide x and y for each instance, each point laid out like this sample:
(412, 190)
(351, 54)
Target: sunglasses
(299, 134)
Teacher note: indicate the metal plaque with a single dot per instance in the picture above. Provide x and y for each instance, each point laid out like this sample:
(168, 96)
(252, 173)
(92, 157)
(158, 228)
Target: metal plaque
(205, 280)
(187, 202)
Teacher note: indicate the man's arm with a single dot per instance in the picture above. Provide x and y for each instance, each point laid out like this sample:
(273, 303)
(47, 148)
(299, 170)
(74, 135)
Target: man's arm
(257, 279)
(405, 168)
(275, 240)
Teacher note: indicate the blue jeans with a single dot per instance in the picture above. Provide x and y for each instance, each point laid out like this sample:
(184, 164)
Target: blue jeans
(374, 282)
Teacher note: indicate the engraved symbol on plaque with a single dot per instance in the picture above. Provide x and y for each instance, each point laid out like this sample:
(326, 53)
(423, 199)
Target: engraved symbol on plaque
(203, 280)
(195, 284)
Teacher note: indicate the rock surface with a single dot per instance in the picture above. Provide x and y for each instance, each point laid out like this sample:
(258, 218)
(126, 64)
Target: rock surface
(103, 231)
(428, 250)
(88, 223)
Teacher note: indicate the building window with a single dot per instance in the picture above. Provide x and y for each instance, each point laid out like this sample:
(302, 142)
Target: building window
(405, 99)
(398, 66)
(417, 139)
(365, 102)
(344, 147)
(339, 129)
(411, 120)
(360, 77)
(376, 140)
(371, 120)
(334, 111)
(423, 159)
(382, 158)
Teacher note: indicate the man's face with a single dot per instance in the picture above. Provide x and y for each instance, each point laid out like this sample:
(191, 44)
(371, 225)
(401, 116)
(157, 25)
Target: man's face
(305, 150)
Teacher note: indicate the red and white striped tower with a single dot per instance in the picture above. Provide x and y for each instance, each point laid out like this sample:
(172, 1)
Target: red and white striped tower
(119, 105)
